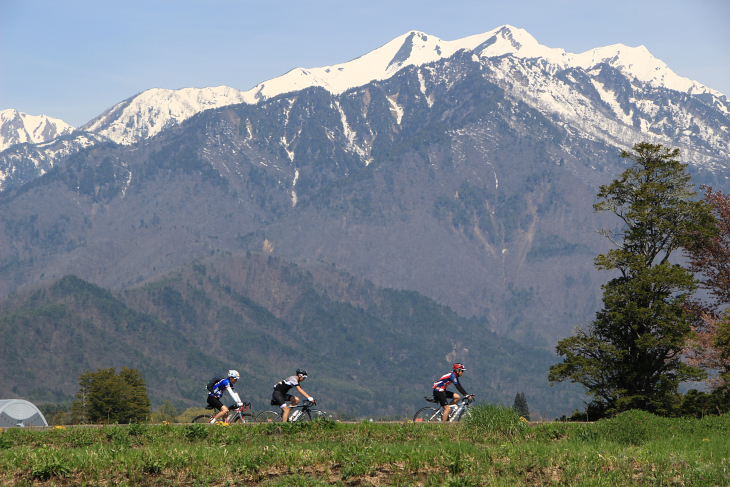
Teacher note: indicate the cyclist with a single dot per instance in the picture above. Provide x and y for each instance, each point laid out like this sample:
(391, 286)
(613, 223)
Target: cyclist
(440, 394)
(214, 398)
(281, 393)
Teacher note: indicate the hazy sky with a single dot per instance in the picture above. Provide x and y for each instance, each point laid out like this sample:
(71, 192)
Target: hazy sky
(73, 59)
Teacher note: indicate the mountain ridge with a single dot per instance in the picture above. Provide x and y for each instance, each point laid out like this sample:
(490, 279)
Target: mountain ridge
(245, 311)
(18, 128)
(149, 112)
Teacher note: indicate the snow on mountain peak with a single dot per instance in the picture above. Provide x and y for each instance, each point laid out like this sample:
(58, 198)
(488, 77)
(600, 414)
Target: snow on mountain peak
(18, 127)
(639, 63)
(152, 111)
(156, 109)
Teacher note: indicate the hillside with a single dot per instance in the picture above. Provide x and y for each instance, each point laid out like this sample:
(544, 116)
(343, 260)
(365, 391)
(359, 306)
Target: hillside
(453, 193)
(467, 195)
(369, 350)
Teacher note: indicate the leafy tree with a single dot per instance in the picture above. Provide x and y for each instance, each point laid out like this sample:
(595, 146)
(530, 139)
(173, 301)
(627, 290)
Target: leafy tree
(105, 396)
(709, 347)
(520, 405)
(166, 412)
(630, 356)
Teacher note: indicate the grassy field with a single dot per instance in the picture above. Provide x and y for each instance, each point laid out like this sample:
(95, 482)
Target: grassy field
(495, 448)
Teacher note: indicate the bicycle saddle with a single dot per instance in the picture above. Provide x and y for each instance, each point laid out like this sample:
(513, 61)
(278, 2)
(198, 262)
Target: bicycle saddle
(429, 398)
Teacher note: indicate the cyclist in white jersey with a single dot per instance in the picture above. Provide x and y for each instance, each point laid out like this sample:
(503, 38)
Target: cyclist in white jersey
(281, 393)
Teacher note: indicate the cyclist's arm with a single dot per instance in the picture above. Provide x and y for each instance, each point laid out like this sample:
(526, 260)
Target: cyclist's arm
(301, 391)
(234, 395)
(458, 386)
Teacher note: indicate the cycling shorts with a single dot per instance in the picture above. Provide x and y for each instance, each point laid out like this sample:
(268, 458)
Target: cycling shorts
(442, 396)
(279, 398)
(215, 402)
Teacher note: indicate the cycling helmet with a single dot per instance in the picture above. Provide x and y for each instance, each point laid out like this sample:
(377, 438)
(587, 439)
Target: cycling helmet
(233, 374)
(301, 372)
(458, 366)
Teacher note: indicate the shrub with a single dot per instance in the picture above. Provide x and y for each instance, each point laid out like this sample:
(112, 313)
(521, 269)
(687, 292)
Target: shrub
(498, 420)
(118, 436)
(81, 437)
(50, 466)
(152, 465)
(249, 465)
(5, 443)
(632, 427)
(136, 429)
(197, 432)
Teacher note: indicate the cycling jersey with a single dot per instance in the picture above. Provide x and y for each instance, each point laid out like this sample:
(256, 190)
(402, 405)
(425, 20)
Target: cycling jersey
(445, 381)
(222, 386)
(286, 384)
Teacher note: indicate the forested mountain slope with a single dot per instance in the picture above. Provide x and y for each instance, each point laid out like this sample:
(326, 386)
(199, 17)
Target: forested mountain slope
(437, 180)
(369, 350)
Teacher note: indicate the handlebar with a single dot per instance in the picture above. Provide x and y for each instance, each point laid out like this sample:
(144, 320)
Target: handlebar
(244, 407)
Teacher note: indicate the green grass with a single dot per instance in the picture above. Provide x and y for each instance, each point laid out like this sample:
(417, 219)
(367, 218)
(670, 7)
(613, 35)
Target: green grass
(494, 448)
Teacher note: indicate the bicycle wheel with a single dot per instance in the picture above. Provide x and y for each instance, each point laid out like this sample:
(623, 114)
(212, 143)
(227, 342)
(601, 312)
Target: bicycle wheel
(203, 418)
(244, 418)
(424, 415)
(268, 417)
(463, 414)
(316, 414)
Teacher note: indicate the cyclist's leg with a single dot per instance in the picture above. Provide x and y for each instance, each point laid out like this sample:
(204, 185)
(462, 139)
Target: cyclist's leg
(441, 398)
(286, 410)
(217, 404)
(280, 399)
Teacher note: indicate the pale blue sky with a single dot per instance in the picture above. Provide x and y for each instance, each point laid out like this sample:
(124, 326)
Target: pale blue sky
(73, 59)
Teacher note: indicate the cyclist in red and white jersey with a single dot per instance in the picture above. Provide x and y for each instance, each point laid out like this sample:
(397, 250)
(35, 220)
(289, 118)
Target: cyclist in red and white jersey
(441, 395)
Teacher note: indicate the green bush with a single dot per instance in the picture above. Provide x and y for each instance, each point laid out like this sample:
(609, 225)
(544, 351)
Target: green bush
(49, 467)
(197, 432)
(497, 420)
(152, 465)
(5, 443)
(629, 428)
(118, 436)
(81, 437)
(136, 429)
(249, 465)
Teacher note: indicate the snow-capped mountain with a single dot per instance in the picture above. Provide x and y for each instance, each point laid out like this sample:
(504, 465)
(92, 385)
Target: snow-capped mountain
(468, 178)
(18, 127)
(616, 94)
(150, 112)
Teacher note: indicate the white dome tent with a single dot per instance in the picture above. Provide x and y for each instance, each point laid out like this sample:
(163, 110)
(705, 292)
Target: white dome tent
(20, 413)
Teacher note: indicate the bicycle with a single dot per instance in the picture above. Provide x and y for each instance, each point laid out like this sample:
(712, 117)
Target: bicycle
(304, 412)
(458, 411)
(236, 415)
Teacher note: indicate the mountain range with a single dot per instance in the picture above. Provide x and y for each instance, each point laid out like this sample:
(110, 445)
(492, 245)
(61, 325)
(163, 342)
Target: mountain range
(151, 112)
(464, 171)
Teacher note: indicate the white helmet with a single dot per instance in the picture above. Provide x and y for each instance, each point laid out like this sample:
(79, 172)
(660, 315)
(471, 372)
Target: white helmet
(233, 374)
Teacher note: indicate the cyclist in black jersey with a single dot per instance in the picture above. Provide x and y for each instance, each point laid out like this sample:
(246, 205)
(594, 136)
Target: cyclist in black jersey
(281, 393)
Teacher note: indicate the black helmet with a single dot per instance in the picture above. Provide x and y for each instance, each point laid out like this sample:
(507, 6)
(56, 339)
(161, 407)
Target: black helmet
(301, 372)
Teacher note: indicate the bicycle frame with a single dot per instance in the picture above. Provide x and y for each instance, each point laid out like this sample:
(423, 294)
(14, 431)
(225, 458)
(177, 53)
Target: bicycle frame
(234, 414)
(303, 412)
(456, 411)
